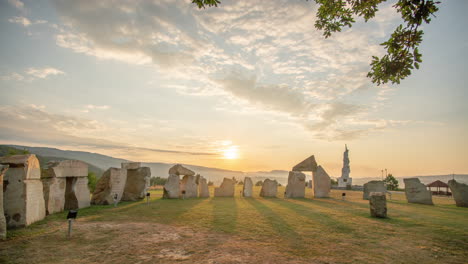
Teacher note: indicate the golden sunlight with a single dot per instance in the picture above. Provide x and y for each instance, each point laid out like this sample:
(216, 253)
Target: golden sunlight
(231, 152)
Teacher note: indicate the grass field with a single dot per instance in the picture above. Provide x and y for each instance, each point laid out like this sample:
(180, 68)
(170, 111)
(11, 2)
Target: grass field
(248, 230)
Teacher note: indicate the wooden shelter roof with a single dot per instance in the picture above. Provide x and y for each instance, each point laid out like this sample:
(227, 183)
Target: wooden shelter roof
(437, 184)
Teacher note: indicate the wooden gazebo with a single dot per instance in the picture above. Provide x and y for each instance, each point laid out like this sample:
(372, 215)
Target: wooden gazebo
(438, 185)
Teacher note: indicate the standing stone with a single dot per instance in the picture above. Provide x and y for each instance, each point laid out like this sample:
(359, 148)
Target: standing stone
(23, 196)
(65, 185)
(171, 188)
(137, 184)
(248, 187)
(373, 186)
(3, 226)
(308, 164)
(110, 184)
(321, 183)
(180, 170)
(459, 192)
(296, 185)
(203, 190)
(226, 189)
(189, 186)
(378, 204)
(309, 184)
(269, 188)
(416, 192)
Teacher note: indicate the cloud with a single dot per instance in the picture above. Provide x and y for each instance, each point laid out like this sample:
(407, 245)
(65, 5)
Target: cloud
(43, 73)
(25, 21)
(17, 3)
(90, 107)
(13, 77)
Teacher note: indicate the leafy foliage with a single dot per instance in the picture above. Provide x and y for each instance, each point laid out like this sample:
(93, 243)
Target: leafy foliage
(402, 46)
(92, 180)
(333, 182)
(259, 183)
(157, 181)
(391, 182)
(210, 183)
(203, 3)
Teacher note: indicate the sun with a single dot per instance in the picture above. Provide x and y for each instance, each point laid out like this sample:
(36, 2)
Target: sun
(231, 152)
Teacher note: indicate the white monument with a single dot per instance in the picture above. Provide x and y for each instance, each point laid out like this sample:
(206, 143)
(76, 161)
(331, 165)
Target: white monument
(345, 180)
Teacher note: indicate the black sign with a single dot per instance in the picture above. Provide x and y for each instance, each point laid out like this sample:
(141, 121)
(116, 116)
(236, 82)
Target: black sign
(72, 214)
(148, 194)
(343, 194)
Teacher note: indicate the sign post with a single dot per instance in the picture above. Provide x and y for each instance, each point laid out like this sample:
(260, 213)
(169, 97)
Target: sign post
(147, 197)
(71, 216)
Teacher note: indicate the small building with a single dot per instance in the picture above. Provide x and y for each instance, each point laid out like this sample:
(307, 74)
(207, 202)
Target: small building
(437, 188)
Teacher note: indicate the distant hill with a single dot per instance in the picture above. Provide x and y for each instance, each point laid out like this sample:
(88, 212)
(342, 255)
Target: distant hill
(424, 179)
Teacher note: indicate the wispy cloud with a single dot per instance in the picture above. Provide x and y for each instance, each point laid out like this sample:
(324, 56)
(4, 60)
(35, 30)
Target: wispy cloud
(43, 73)
(17, 3)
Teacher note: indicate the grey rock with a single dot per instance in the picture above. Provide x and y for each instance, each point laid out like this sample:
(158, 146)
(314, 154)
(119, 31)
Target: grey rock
(171, 188)
(378, 204)
(321, 183)
(137, 184)
(269, 188)
(111, 183)
(416, 192)
(189, 187)
(459, 192)
(296, 185)
(3, 225)
(226, 189)
(373, 186)
(308, 164)
(203, 190)
(247, 190)
(180, 170)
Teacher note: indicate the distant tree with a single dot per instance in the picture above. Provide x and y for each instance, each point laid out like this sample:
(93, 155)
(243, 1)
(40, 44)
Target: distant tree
(157, 181)
(391, 182)
(259, 183)
(15, 151)
(402, 46)
(234, 179)
(210, 183)
(279, 185)
(333, 182)
(92, 180)
(240, 183)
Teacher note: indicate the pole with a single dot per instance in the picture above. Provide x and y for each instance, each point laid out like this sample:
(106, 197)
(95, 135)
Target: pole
(382, 175)
(70, 221)
(147, 200)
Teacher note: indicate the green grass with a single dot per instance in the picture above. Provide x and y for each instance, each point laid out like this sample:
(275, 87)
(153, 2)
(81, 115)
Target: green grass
(324, 230)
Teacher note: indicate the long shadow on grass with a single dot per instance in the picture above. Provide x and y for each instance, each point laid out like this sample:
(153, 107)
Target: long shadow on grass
(224, 214)
(316, 215)
(284, 230)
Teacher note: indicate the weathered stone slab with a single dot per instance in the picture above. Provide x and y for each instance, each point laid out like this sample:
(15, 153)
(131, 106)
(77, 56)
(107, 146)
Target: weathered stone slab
(180, 170)
(171, 188)
(67, 168)
(309, 184)
(321, 183)
(226, 189)
(137, 184)
(416, 192)
(189, 187)
(459, 192)
(308, 164)
(373, 186)
(23, 193)
(54, 194)
(3, 225)
(112, 182)
(378, 204)
(248, 187)
(203, 190)
(130, 165)
(296, 185)
(269, 188)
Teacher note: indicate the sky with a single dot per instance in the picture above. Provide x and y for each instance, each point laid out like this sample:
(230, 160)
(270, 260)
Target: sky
(248, 85)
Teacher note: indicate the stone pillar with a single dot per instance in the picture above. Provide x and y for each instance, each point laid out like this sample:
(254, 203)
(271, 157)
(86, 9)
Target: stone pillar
(203, 190)
(416, 192)
(296, 185)
(378, 204)
(247, 190)
(269, 188)
(137, 184)
(3, 226)
(459, 193)
(226, 189)
(189, 186)
(321, 183)
(171, 188)
(110, 184)
(373, 186)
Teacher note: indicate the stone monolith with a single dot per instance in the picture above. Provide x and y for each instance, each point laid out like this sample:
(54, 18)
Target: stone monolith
(321, 183)
(171, 188)
(308, 164)
(269, 188)
(416, 192)
(203, 191)
(189, 187)
(247, 190)
(226, 189)
(111, 184)
(378, 204)
(180, 170)
(23, 198)
(3, 225)
(459, 193)
(373, 186)
(137, 184)
(296, 185)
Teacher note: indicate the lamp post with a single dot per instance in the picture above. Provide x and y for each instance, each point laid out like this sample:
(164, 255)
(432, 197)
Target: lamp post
(71, 216)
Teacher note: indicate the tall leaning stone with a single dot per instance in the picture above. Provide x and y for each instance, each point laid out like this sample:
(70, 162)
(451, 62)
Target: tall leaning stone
(3, 226)
(226, 189)
(373, 186)
(110, 184)
(459, 192)
(416, 192)
(22, 191)
(269, 188)
(248, 187)
(296, 185)
(137, 184)
(171, 188)
(203, 190)
(321, 183)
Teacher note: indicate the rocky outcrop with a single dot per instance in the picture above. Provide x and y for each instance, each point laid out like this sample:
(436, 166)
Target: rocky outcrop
(378, 204)
(416, 192)
(189, 187)
(23, 198)
(180, 170)
(226, 189)
(137, 184)
(111, 184)
(296, 185)
(269, 188)
(171, 188)
(321, 183)
(373, 186)
(459, 193)
(203, 190)
(3, 225)
(247, 190)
